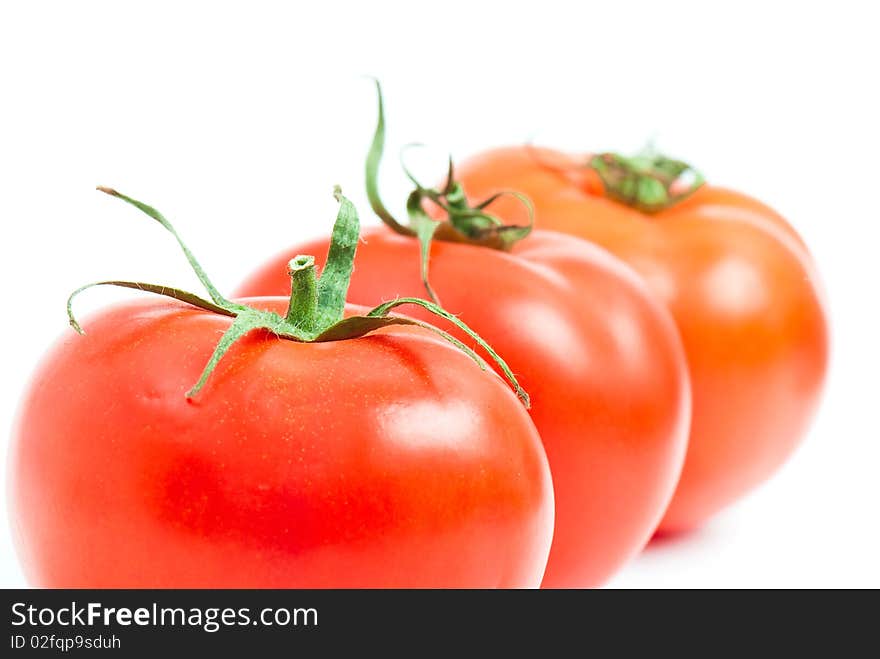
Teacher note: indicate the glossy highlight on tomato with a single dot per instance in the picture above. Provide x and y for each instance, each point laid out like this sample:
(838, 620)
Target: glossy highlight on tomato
(744, 292)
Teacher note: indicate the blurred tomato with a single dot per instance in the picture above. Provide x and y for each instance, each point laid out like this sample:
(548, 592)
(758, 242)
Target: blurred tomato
(741, 286)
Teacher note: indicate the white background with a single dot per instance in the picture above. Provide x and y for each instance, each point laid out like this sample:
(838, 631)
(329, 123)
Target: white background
(236, 122)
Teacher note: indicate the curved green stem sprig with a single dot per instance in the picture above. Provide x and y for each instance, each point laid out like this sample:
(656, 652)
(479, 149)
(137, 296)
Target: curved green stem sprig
(464, 223)
(648, 182)
(316, 312)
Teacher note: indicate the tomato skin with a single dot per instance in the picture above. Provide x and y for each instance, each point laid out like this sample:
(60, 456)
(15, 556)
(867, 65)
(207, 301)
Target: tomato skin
(389, 460)
(742, 288)
(605, 373)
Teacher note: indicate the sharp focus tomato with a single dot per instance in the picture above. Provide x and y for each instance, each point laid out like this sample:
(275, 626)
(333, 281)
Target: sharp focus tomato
(600, 359)
(386, 460)
(743, 291)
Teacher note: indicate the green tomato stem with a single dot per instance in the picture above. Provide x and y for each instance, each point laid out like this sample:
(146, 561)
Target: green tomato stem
(316, 309)
(303, 292)
(464, 223)
(648, 182)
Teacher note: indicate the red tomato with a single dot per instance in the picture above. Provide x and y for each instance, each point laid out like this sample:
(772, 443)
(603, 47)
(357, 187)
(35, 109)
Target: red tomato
(744, 293)
(600, 359)
(386, 460)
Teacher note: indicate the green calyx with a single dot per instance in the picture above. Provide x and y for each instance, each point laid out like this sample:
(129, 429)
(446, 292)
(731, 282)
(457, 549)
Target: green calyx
(464, 223)
(317, 304)
(648, 182)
